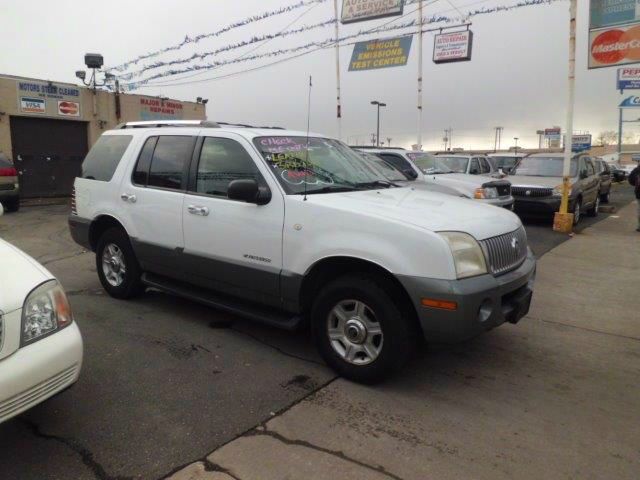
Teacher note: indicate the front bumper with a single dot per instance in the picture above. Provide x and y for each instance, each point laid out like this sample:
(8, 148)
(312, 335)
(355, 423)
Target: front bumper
(483, 302)
(539, 206)
(502, 202)
(39, 371)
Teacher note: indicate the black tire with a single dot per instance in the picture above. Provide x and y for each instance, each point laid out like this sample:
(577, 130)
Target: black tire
(577, 211)
(12, 205)
(399, 334)
(595, 208)
(131, 284)
(605, 197)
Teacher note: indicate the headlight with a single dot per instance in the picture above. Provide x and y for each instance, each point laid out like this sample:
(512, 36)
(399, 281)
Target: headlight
(467, 254)
(46, 310)
(486, 193)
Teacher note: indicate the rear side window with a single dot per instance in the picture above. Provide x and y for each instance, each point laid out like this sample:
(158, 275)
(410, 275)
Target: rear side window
(103, 159)
(485, 167)
(170, 158)
(475, 167)
(397, 161)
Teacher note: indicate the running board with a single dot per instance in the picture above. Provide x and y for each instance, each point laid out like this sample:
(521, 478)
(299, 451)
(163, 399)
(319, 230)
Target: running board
(262, 314)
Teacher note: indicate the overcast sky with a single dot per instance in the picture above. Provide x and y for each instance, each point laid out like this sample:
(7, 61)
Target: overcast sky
(517, 78)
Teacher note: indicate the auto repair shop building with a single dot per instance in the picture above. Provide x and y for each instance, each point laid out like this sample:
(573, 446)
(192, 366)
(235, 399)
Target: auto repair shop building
(47, 128)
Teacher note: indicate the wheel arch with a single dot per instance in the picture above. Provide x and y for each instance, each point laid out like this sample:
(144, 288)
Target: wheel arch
(100, 225)
(330, 268)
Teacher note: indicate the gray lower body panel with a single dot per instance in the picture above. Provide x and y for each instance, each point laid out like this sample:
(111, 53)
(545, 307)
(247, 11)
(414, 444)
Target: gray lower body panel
(483, 302)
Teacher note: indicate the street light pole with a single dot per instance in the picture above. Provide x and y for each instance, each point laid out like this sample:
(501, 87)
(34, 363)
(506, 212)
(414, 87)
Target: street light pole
(516, 140)
(378, 104)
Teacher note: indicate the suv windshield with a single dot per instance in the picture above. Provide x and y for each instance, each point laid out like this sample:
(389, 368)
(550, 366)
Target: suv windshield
(317, 165)
(544, 167)
(428, 163)
(505, 162)
(456, 164)
(382, 167)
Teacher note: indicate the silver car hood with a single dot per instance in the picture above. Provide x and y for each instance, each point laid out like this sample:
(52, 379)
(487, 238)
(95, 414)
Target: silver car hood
(533, 181)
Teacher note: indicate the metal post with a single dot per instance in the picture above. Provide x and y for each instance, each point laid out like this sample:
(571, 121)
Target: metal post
(619, 133)
(420, 69)
(564, 220)
(378, 134)
(339, 111)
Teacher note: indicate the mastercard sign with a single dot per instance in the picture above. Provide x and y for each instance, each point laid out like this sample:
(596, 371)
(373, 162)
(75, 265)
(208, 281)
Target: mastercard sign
(68, 109)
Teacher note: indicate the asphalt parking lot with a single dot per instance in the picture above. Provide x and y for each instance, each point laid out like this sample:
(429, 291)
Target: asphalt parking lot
(167, 381)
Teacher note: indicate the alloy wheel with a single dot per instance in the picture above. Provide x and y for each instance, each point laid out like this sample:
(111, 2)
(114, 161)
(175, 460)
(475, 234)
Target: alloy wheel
(355, 333)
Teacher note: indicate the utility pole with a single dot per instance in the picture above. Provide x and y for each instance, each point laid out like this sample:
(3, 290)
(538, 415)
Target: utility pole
(563, 221)
(389, 141)
(516, 140)
(498, 139)
(620, 122)
(449, 134)
(379, 105)
(420, 69)
(339, 112)
(373, 139)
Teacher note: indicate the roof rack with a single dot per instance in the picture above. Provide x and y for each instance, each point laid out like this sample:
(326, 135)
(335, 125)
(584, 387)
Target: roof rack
(244, 125)
(168, 124)
(367, 147)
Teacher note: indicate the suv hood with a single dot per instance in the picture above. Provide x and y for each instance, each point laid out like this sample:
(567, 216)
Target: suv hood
(18, 276)
(431, 211)
(526, 180)
(462, 182)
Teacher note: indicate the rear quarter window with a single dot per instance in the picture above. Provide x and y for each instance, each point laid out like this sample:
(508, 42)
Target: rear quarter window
(103, 159)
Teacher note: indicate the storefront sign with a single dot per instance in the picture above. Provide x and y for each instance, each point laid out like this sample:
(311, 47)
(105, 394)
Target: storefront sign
(614, 46)
(159, 109)
(581, 143)
(361, 10)
(44, 98)
(552, 134)
(608, 13)
(68, 109)
(33, 105)
(376, 54)
(631, 102)
(628, 79)
(453, 47)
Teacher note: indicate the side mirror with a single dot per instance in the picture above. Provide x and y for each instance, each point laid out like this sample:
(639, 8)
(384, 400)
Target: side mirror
(248, 191)
(410, 173)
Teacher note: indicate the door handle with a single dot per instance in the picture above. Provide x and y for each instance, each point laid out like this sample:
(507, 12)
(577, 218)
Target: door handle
(198, 210)
(128, 198)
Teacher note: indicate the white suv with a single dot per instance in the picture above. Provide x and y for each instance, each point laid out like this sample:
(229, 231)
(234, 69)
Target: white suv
(286, 229)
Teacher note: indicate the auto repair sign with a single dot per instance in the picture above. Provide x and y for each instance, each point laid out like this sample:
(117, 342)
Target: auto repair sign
(452, 47)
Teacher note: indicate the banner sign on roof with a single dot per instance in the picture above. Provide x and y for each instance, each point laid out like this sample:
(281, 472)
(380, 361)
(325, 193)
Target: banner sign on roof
(362, 10)
(376, 54)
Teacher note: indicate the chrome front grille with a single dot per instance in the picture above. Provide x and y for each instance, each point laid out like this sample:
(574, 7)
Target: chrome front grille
(533, 192)
(506, 252)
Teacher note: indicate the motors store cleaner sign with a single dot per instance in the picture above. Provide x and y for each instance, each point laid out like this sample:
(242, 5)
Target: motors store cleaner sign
(48, 98)
(361, 10)
(614, 46)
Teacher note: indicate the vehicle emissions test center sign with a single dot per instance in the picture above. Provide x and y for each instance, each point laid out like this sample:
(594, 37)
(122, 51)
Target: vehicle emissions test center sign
(614, 33)
(453, 47)
(362, 10)
(376, 54)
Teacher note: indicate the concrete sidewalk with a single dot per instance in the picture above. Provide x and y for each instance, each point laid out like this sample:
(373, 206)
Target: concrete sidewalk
(555, 396)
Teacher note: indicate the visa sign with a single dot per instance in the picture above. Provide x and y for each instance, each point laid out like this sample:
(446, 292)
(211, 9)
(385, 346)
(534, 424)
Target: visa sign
(628, 79)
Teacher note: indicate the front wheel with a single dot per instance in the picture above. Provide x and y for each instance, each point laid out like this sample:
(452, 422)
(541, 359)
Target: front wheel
(577, 211)
(117, 266)
(595, 209)
(360, 331)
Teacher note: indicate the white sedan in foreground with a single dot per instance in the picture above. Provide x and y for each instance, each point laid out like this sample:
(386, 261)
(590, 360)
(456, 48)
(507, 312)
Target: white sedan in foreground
(40, 344)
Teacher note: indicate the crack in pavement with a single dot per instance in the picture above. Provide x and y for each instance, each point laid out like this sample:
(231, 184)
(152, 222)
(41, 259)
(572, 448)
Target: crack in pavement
(59, 259)
(336, 453)
(85, 454)
(209, 466)
(586, 329)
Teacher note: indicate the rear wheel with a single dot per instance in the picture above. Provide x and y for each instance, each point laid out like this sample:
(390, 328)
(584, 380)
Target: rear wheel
(577, 211)
(12, 205)
(117, 266)
(359, 330)
(595, 209)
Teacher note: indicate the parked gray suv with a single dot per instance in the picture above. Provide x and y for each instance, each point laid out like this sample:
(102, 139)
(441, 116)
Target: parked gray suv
(537, 185)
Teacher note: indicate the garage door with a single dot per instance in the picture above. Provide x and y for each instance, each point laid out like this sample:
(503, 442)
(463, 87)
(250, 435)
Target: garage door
(48, 154)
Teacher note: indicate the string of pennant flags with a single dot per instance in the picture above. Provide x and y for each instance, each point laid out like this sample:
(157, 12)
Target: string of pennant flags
(434, 19)
(233, 26)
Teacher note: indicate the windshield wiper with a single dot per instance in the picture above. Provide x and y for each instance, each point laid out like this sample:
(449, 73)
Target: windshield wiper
(329, 189)
(377, 183)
